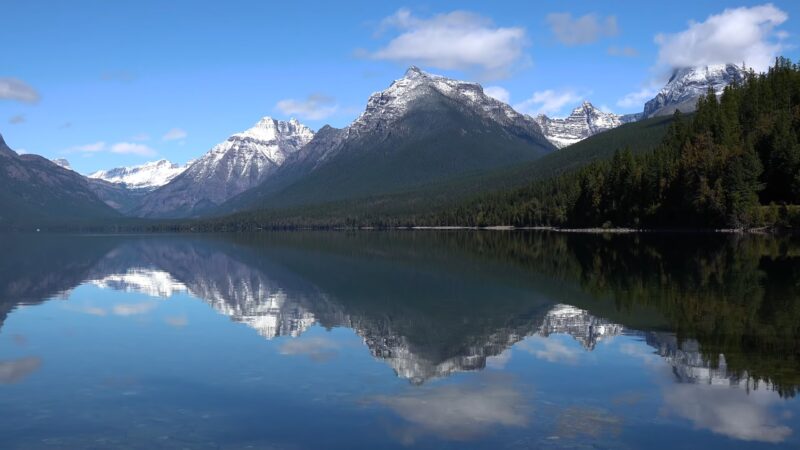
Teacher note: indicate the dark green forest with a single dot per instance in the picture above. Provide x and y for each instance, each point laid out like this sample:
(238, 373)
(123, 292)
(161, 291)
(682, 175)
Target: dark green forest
(734, 164)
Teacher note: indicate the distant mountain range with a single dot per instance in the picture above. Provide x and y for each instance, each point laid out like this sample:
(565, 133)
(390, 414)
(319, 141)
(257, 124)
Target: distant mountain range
(147, 176)
(423, 129)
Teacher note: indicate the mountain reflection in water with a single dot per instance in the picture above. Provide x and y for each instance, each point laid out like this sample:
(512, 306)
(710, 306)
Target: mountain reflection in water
(717, 315)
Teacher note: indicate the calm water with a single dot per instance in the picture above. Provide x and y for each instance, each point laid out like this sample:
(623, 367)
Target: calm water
(399, 339)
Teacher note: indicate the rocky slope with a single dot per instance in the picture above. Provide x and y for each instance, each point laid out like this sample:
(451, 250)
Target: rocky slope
(37, 191)
(583, 122)
(239, 163)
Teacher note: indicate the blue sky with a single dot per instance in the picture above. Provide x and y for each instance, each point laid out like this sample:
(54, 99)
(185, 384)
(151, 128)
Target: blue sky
(105, 84)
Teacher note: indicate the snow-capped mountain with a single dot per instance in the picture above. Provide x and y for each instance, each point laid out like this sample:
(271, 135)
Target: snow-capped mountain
(687, 85)
(583, 122)
(239, 163)
(149, 175)
(422, 129)
(388, 107)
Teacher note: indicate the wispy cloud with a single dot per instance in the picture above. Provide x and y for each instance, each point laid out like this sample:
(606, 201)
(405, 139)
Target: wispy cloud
(87, 148)
(177, 321)
(133, 309)
(174, 135)
(581, 30)
(132, 148)
(14, 120)
(458, 412)
(550, 349)
(120, 148)
(457, 40)
(746, 34)
(141, 137)
(316, 348)
(314, 107)
(15, 89)
(17, 369)
(550, 102)
(628, 52)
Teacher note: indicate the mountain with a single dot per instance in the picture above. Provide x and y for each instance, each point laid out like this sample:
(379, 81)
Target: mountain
(148, 176)
(239, 163)
(686, 85)
(423, 129)
(37, 191)
(583, 122)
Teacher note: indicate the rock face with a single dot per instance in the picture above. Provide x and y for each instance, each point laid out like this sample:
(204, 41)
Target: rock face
(239, 163)
(423, 129)
(687, 85)
(147, 176)
(583, 122)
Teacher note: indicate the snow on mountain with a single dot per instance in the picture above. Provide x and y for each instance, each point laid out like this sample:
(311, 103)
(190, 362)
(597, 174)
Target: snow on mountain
(239, 163)
(386, 107)
(583, 122)
(154, 283)
(146, 176)
(687, 85)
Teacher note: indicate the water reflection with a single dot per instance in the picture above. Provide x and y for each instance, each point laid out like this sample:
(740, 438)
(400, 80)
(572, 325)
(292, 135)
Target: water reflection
(713, 318)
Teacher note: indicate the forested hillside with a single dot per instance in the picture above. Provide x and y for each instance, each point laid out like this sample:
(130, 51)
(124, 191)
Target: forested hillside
(736, 164)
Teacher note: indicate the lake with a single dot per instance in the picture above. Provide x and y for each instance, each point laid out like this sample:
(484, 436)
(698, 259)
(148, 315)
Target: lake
(406, 339)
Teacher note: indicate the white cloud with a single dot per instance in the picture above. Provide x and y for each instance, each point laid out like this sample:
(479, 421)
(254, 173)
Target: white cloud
(550, 349)
(456, 40)
(629, 52)
(458, 412)
(14, 89)
(131, 148)
(122, 148)
(581, 30)
(498, 93)
(637, 98)
(737, 413)
(736, 35)
(14, 120)
(314, 107)
(548, 102)
(174, 134)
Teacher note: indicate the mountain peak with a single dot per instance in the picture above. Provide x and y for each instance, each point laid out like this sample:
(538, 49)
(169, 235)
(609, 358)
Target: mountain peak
(415, 72)
(584, 121)
(688, 84)
(268, 129)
